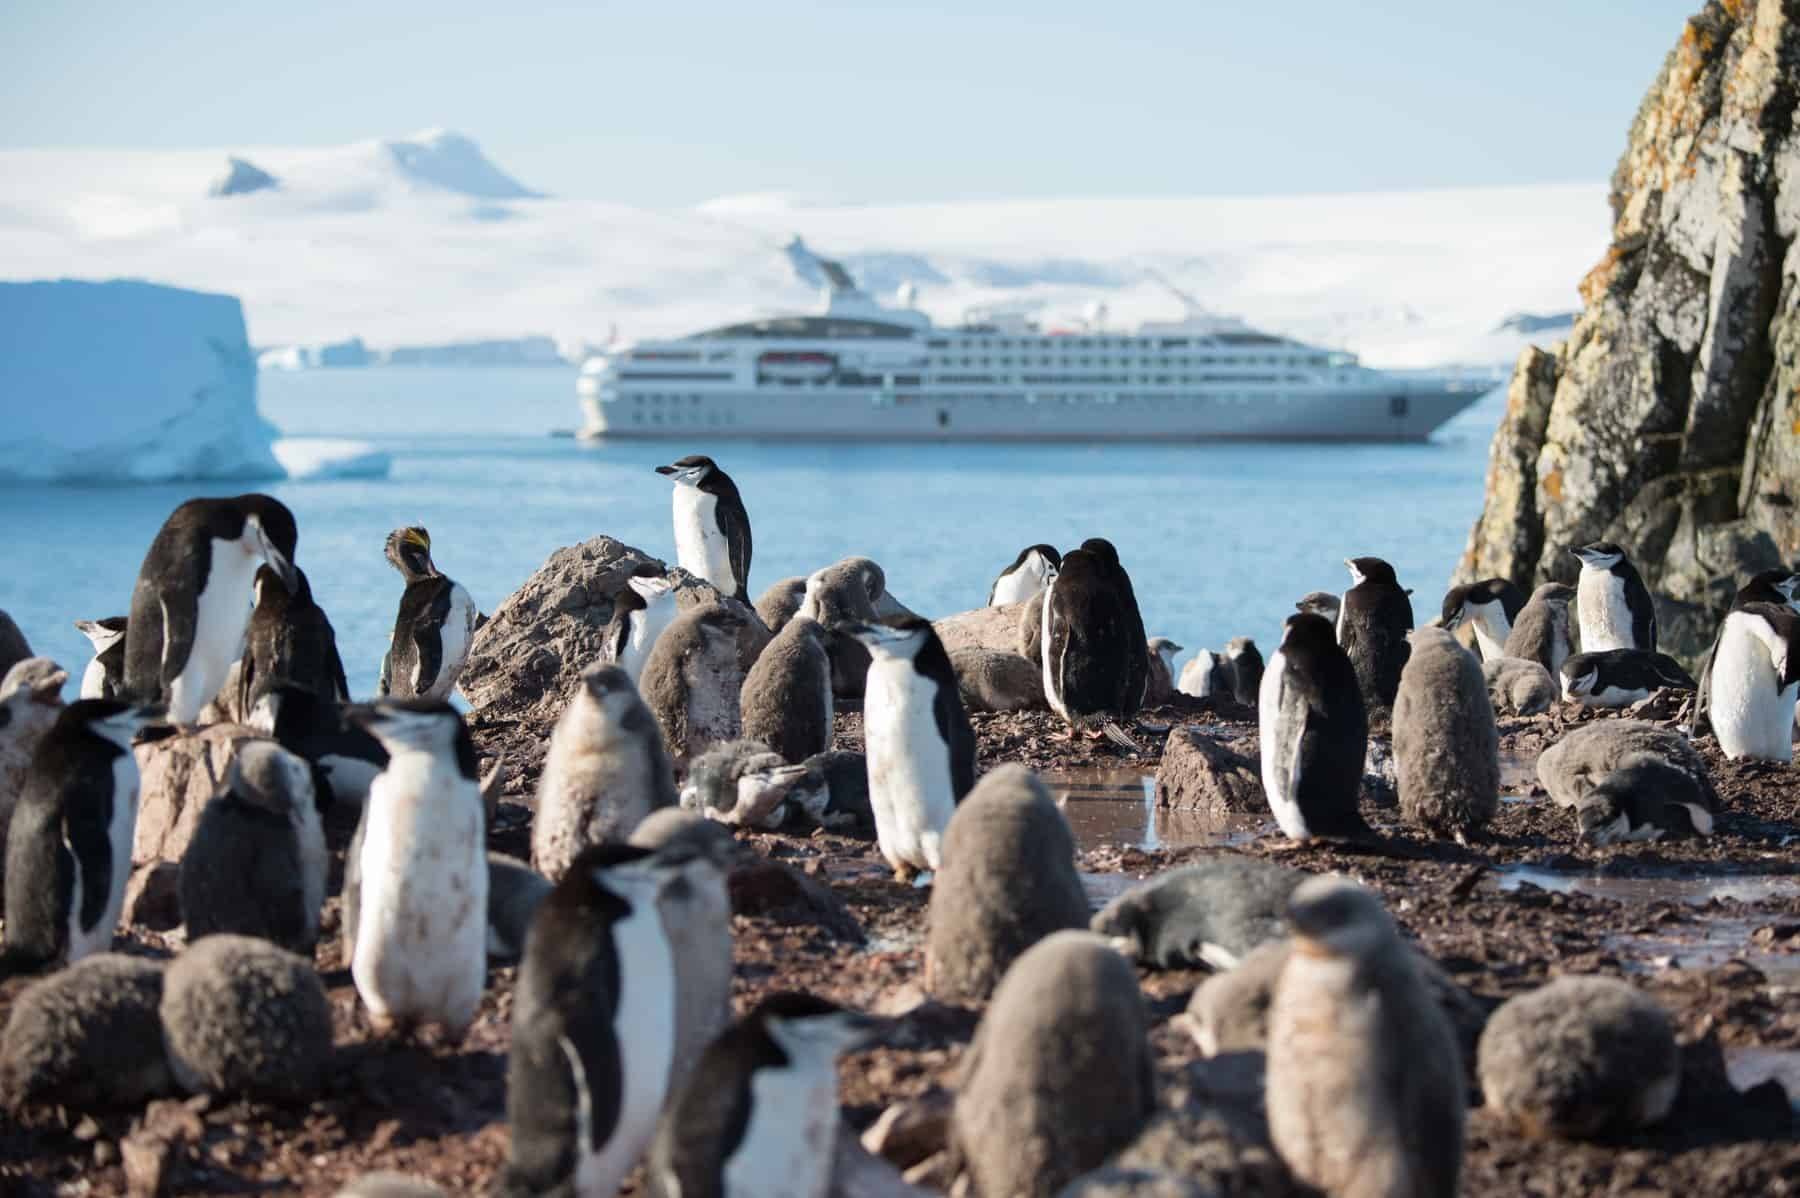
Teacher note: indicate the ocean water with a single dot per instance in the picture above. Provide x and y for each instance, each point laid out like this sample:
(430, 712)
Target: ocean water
(1219, 539)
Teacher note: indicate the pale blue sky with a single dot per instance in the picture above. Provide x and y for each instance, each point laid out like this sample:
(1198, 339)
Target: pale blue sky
(660, 102)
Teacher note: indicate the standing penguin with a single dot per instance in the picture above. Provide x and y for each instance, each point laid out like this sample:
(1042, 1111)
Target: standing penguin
(712, 529)
(68, 851)
(1446, 744)
(415, 881)
(640, 614)
(692, 681)
(1138, 680)
(257, 862)
(1613, 604)
(1091, 663)
(191, 605)
(1769, 586)
(759, 1118)
(1246, 662)
(786, 698)
(435, 625)
(920, 747)
(1372, 625)
(1541, 632)
(1365, 1079)
(1162, 671)
(1490, 606)
(1314, 732)
(1754, 679)
(1029, 573)
(593, 1028)
(289, 640)
(1206, 675)
(104, 677)
(30, 703)
(606, 770)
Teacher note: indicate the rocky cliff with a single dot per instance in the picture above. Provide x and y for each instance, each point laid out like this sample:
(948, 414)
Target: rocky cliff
(1669, 421)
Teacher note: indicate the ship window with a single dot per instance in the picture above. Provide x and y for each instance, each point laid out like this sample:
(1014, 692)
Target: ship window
(1398, 406)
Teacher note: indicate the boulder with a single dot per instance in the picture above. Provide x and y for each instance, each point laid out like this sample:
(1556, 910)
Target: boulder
(180, 774)
(995, 628)
(1199, 773)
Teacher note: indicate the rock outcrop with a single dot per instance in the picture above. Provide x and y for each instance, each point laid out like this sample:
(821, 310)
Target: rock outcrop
(1669, 421)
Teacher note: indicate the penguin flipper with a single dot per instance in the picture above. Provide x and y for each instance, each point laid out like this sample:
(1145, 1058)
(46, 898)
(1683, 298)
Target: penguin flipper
(1670, 674)
(734, 522)
(704, 1126)
(85, 829)
(428, 635)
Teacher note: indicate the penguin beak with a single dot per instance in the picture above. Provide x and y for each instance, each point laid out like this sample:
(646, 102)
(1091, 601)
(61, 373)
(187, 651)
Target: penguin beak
(153, 725)
(667, 470)
(278, 562)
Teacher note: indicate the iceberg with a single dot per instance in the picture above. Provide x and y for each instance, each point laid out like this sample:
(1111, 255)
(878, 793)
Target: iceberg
(327, 457)
(126, 381)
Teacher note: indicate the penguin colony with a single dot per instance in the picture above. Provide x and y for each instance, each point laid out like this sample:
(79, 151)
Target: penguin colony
(623, 1051)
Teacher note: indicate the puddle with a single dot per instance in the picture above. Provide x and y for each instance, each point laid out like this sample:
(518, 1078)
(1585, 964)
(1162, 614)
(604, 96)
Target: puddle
(1749, 888)
(1748, 1067)
(1518, 773)
(1118, 807)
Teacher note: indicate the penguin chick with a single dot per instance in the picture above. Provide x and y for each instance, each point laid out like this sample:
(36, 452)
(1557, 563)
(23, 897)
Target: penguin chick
(87, 1036)
(1031, 628)
(641, 612)
(30, 701)
(786, 698)
(1372, 625)
(1229, 1011)
(593, 1028)
(1446, 744)
(68, 850)
(1579, 761)
(713, 786)
(1029, 574)
(759, 1119)
(1490, 607)
(693, 679)
(289, 639)
(1580, 1058)
(712, 529)
(514, 892)
(1208, 915)
(834, 796)
(1162, 671)
(1645, 798)
(606, 770)
(241, 1016)
(845, 593)
(1542, 631)
(1246, 662)
(415, 879)
(921, 749)
(1518, 686)
(1611, 601)
(104, 677)
(1314, 733)
(777, 605)
(995, 680)
(1008, 881)
(1621, 677)
(191, 605)
(1364, 1080)
(1320, 603)
(1207, 675)
(1059, 1076)
(256, 863)
(434, 627)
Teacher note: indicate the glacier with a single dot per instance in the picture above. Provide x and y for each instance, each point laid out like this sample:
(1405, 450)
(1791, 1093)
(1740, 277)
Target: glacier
(127, 381)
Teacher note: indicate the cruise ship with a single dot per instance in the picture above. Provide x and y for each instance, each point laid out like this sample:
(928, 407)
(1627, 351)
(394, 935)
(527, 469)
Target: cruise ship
(861, 370)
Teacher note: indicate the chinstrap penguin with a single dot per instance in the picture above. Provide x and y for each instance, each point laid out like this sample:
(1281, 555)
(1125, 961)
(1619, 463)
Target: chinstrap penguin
(1490, 607)
(68, 851)
(1314, 733)
(1029, 573)
(921, 749)
(1246, 662)
(1162, 671)
(345, 758)
(1094, 667)
(191, 605)
(606, 770)
(1584, 756)
(1365, 1090)
(433, 628)
(1753, 680)
(1207, 675)
(1372, 625)
(1321, 603)
(1645, 798)
(514, 892)
(1446, 744)
(1777, 587)
(640, 614)
(759, 1117)
(1541, 633)
(30, 702)
(104, 677)
(289, 640)
(1208, 915)
(712, 529)
(593, 1028)
(1621, 677)
(1138, 679)
(416, 877)
(1611, 601)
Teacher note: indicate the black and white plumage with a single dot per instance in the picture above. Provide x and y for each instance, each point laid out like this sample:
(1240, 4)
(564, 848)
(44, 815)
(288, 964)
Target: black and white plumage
(640, 613)
(1541, 633)
(1162, 671)
(1206, 675)
(416, 876)
(1246, 662)
(759, 1117)
(1621, 677)
(1138, 681)
(921, 749)
(290, 639)
(1094, 665)
(593, 1028)
(1314, 732)
(434, 627)
(1752, 680)
(191, 605)
(712, 529)
(1490, 607)
(1372, 625)
(1029, 573)
(1770, 586)
(1611, 601)
(30, 702)
(345, 758)
(104, 677)
(1646, 797)
(1321, 603)
(68, 851)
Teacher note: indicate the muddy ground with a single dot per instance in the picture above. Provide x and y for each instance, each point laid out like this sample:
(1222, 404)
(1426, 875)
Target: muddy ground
(1710, 928)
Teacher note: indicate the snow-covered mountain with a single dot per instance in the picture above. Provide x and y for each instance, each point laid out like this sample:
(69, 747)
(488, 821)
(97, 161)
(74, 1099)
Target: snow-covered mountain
(425, 240)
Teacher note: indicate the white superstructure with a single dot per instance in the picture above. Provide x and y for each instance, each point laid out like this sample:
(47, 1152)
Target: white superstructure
(861, 370)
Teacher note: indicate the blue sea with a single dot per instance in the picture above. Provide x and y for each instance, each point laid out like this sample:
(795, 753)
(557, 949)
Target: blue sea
(1219, 539)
